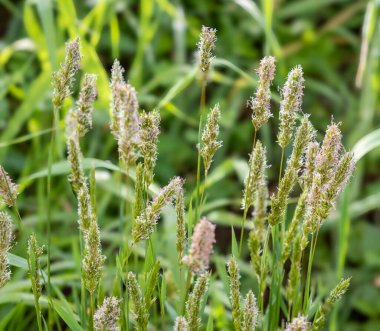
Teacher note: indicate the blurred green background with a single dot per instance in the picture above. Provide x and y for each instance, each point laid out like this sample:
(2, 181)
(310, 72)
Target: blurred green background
(337, 42)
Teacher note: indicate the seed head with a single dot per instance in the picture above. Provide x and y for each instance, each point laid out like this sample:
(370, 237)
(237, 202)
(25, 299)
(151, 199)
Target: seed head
(93, 260)
(194, 302)
(6, 238)
(290, 105)
(85, 104)
(250, 312)
(125, 124)
(117, 80)
(309, 164)
(203, 238)
(181, 324)
(150, 129)
(256, 174)
(181, 226)
(146, 221)
(210, 143)
(206, 45)
(234, 277)
(63, 79)
(299, 323)
(260, 103)
(74, 156)
(334, 296)
(107, 315)
(8, 189)
(140, 312)
(34, 253)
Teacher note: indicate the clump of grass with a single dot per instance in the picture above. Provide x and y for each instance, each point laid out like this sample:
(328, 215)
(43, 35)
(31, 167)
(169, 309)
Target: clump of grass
(320, 172)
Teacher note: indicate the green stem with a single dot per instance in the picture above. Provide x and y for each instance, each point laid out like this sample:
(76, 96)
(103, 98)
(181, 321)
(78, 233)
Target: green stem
(38, 313)
(262, 268)
(308, 277)
(92, 310)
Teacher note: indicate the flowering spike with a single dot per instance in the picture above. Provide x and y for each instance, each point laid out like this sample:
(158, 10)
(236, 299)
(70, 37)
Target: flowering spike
(140, 312)
(210, 144)
(256, 175)
(181, 226)
(334, 296)
(34, 254)
(150, 129)
(234, 277)
(8, 189)
(125, 124)
(93, 260)
(194, 302)
(299, 323)
(146, 221)
(250, 312)
(203, 238)
(181, 324)
(6, 237)
(290, 105)
(85, 107)
(63, 79)
(107, 315)
(260, 103)
(206, 45)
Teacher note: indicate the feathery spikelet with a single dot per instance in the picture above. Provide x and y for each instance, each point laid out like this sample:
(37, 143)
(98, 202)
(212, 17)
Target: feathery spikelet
(150, 129)
(74, 156)
(146, 221)
(210, 144)
(139, 191)
(334, 296)
(234, 277)
(256, 175)
(85, 104)
(6, 237)
(181, 324)
(117, 80)
(309, 165)
(304, 134)
(256, 235)
(299, 323)
(8, 189)
(107, 315)
(290, 105)
(250, 313)
(93, 259)
(194, 302)
(85, 210)
(206, 45)
(181, 226)
(140, 312)
(63, 79)
(332, 172)
(34, 266)
(260, 103)
(125, 124)
(203, 238)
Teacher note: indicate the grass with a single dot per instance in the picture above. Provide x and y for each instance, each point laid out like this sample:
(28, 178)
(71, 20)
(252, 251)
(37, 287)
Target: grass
(338, 43)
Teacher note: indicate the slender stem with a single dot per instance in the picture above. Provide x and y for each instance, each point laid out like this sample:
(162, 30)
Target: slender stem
(281, 164)
(262, 268)
(38, 312)
(310, 264)
(201, 108)
(92, 310)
